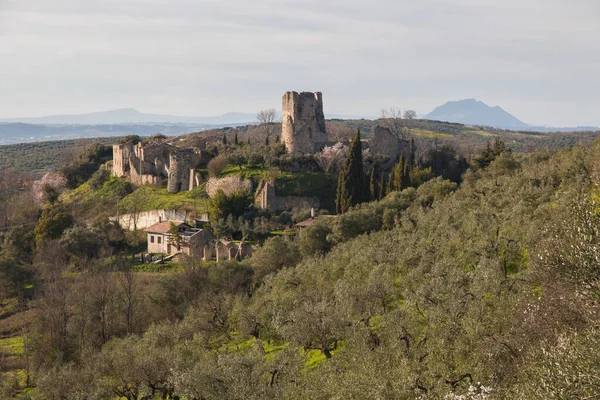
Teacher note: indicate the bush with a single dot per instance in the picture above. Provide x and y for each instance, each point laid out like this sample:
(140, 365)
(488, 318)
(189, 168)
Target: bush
(98, 179)
(216, 165)
(275, 254)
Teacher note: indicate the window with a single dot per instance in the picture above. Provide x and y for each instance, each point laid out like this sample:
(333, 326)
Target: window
(151, 239)
(158, 237)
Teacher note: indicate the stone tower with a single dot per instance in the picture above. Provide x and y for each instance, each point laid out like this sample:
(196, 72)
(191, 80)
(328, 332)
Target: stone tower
(303, 122)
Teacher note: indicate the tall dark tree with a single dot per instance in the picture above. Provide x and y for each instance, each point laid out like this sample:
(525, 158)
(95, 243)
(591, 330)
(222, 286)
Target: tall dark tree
(411, 156)
(400, 175)
(382, 187)
(235, 140)
(351, 181)
(489, 154)
(373, 185)
(224, 140)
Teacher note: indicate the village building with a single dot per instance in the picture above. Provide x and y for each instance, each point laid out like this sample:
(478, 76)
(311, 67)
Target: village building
(193, 242)
(312, 220)
(189, 241)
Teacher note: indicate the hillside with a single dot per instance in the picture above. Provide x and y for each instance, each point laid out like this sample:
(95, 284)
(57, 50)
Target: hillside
(473, 112)
(441, 288)
(40, 157)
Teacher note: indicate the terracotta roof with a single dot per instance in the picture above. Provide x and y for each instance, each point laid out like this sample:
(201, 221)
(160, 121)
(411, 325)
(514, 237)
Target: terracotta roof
(164, 227)
(311, 221)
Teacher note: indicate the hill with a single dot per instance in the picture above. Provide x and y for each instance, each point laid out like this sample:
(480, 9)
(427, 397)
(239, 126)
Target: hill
(133, 116)
(473, 112)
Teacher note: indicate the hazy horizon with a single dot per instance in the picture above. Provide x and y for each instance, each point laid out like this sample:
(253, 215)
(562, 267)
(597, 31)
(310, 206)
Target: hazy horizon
(538, 60)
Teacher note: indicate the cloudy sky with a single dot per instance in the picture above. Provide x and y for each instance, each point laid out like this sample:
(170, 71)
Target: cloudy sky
(538, 59)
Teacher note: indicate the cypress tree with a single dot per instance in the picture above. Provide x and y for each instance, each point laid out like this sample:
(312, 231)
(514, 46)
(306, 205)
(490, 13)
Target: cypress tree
(266, 140)
(235, 140)
(382, 191)
(391, 180)
(351, 181)
(406, 179)
(373, 185)
(224, 140)
(411, 157)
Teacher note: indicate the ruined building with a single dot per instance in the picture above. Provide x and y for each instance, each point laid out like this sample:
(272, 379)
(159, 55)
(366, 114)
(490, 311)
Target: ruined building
(383, 142)
(266, 199)
(303, 122)
(148, 164)
(303, 130)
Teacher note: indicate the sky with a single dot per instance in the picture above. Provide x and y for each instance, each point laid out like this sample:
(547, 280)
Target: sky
(538, 59)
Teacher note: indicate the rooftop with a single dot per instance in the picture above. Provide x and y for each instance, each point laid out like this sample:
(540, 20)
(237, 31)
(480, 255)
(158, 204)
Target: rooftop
(311, 221)
(165, 226)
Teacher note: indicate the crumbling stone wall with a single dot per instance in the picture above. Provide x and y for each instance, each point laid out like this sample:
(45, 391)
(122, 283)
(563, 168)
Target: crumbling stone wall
(385, 143)
(121, 153)
(147, 164)
(179, 171)
(303, 122)
(268, 200)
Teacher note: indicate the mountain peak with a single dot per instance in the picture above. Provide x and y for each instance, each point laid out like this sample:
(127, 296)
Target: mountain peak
(474, 112)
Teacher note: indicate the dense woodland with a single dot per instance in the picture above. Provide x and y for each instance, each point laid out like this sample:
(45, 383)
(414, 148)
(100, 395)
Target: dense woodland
(448, 275)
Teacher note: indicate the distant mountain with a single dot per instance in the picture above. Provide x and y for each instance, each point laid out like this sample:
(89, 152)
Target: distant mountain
(473, 112)
(133, 116)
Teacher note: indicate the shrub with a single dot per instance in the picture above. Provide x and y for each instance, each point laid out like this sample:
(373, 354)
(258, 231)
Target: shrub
(216, 165)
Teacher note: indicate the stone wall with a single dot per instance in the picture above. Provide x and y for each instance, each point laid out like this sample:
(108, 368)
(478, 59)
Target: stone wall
(148, 164)
(121, 153)
(303, 122)
(385, 143)
(145, 219)
(267, 200)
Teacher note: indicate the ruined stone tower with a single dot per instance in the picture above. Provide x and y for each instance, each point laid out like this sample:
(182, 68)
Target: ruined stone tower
(303, 122)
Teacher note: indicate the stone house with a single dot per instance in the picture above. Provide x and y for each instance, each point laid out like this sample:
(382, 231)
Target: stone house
(312, 220)
(193, 241)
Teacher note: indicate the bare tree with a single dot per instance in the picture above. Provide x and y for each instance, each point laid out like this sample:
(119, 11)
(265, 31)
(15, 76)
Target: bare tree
(391, 118)
(127, 283)
(266, 121)
(410, 114)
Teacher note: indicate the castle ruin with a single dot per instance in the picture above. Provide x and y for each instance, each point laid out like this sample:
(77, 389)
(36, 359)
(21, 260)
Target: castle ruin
(303, 122)
(148, 164)
(303, 128)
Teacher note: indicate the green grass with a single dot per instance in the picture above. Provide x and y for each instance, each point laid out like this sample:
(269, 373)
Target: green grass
(303, 184)
(478, 132)
(12, 347)
(430, 134)
(146, 198)
(253, 172)
(284, 233)
(311, 184)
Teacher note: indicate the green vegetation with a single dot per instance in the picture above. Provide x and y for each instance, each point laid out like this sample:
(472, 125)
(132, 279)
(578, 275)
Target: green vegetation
(467, 279)
(39, 158)
(146, 198)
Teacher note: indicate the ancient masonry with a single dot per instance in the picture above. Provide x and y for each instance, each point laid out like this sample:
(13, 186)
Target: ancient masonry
(303, 128)
(155, 161)
(383, 142)
(267, 199)
(303, 122)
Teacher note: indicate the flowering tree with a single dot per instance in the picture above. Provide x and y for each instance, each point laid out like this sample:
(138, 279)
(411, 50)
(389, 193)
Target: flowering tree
(331, 158)
(47, 189)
